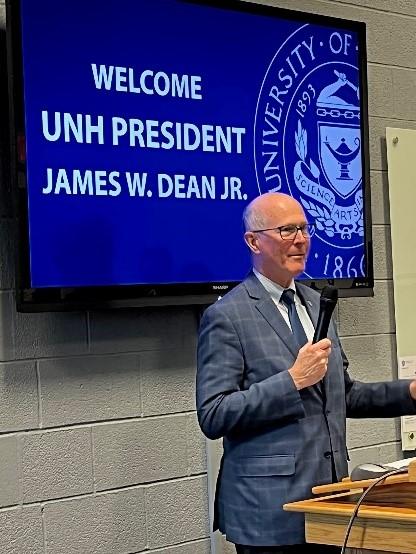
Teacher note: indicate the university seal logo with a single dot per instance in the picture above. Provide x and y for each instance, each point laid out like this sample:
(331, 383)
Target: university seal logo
(307, 133)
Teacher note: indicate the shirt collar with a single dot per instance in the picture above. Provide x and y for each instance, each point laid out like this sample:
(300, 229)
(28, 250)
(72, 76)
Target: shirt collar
(273, 288)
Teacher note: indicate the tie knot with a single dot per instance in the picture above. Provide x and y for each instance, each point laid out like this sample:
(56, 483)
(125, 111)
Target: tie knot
(288, 297)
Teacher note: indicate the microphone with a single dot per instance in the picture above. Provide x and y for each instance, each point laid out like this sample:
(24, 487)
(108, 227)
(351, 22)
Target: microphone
(329, 297)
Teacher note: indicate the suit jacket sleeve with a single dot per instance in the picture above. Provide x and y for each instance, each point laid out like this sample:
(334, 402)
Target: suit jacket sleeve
(382, 399)
(223, 406)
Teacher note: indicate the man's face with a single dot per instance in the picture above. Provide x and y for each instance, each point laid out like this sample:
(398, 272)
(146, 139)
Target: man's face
(280, 259)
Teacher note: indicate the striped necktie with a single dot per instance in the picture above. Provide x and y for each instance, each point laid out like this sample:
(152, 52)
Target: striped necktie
(288, 298)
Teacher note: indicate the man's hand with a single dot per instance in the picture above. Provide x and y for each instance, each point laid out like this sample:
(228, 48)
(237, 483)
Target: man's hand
(312, 363)
(412, 389)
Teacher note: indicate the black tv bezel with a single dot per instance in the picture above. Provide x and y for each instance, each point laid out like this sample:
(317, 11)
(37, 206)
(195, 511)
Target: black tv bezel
(30, 299)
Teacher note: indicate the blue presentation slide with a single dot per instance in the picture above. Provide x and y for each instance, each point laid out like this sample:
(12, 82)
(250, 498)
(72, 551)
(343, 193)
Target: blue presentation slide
(151, 124)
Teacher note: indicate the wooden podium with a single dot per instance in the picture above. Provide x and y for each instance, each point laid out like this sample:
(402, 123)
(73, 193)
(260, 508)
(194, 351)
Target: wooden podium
(386, 521)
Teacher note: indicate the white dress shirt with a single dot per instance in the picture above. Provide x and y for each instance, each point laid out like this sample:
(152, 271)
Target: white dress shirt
(276, 292)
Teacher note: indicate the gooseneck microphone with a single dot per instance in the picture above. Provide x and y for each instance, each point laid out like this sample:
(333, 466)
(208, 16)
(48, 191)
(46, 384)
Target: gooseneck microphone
(329, 297)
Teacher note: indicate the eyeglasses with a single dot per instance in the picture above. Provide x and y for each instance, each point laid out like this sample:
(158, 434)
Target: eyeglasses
(289, 232)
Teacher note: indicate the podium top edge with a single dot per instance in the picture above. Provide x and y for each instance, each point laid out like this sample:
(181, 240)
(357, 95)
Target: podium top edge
(347, 485)
(329, 506)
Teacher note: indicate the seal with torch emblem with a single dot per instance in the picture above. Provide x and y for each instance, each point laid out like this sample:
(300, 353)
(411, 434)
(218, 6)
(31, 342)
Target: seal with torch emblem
(308, 142)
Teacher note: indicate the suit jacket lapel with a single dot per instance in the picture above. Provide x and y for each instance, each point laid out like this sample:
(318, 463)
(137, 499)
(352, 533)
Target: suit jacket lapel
(270, 312)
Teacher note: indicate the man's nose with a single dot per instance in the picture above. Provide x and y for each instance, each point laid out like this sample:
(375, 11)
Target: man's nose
(299, 237)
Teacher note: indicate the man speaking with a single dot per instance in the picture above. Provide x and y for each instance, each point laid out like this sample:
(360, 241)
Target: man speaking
(279, 401)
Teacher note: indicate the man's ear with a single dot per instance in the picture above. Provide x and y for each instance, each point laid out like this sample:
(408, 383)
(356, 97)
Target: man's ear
(252, 241)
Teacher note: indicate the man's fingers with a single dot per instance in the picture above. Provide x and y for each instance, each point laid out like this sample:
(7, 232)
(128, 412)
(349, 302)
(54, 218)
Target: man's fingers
(323, 344)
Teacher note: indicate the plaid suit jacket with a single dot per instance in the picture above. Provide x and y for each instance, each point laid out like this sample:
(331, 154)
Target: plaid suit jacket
(278, 441)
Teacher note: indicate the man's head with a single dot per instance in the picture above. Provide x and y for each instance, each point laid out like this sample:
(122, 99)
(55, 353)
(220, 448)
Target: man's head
(277, 253)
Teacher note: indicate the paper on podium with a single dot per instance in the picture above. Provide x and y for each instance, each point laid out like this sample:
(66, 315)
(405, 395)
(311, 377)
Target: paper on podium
(398, 464)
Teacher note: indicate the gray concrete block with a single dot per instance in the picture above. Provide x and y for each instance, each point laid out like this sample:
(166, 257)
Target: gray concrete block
(370, 432)
(39, 335)
(371, 357)
(312, 6)
(380, 202)
(380, 91)
(56, 464)
(9, 471)
(383, 265)
(406, 7)
(404, 83)
(104, 524)
(390, 39)
(93, 388)
(21, 531)
(377, 145)
(378, 454)
(168, 381)
(137, 452)
(140, 329)
(7, 266)
(18, 396)
(368, 316)
(355, 11)
(195, 547)
(177, 512)
(47, 334)
(197, 455)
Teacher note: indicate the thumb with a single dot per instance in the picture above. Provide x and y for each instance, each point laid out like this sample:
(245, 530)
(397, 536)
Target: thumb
(305, 347)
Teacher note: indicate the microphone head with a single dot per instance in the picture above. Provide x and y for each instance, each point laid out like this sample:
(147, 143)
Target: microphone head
(329, 297)
(329, 294)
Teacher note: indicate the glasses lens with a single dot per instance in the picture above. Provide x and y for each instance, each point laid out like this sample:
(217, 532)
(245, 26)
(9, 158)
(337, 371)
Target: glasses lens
(290, 231)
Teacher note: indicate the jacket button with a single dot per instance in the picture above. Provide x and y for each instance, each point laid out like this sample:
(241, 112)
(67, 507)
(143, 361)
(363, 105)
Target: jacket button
(328, 454)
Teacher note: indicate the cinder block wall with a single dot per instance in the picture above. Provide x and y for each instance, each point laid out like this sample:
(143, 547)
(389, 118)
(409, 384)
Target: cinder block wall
(99, 447)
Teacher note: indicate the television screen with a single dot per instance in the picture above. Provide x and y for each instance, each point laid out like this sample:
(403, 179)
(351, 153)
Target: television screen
(142, 129)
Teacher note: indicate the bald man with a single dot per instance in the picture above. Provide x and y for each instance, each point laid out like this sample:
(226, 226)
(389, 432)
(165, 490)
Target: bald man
(279, 402)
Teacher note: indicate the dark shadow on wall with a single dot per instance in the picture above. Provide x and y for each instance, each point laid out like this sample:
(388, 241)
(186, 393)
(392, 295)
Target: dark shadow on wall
(7, 213)
(6, 206)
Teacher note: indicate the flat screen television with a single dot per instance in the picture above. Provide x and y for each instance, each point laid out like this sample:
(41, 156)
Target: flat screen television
(141, 129)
